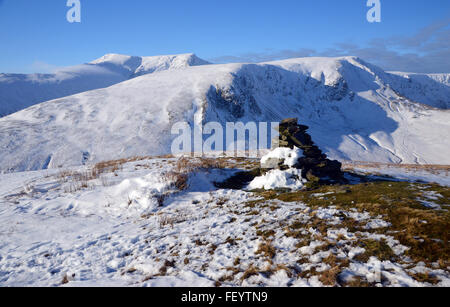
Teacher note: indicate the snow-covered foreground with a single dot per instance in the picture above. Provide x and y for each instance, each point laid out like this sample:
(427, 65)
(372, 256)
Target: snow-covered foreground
(130, 226)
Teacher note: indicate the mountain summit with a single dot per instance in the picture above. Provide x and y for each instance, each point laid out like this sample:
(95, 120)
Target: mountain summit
(138, 66)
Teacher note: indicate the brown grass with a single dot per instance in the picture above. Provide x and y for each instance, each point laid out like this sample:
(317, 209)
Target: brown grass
(237, 261)
(179, 176)
(426, 278)
(399, 203)
(110, 166)
(65, 280)
(357, 282)
(251, 271)
(375, 248)
(266, 234)
(427, 167)
(84, 176)
(188, 165)
(167, 264)
(179, 217)
(178, 180)
(329, 277)
(212, 249)
(267, 250)
(100, 168)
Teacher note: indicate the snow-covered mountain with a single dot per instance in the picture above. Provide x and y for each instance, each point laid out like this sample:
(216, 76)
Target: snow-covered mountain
(431, 89)
(19, 91)
(356, 111)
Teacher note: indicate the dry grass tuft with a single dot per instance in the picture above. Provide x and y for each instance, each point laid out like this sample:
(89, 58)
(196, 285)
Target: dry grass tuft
(426, 278)
(179, 180)
(375, 248)
(167, 264)
(179, 217)
(251, 271)
(189, 165)
(267, 250)
(329, 277)
(65, 280)
(179, 176)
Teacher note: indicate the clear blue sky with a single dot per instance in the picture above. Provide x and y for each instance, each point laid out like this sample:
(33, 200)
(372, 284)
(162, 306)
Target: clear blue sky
(34, 34)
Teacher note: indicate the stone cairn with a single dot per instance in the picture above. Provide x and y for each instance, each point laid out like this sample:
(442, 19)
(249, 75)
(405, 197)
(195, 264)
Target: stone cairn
(315, 165)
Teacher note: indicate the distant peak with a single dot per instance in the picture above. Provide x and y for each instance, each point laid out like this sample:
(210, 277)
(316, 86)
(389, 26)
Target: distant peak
(112, 57)
(116, 58)
(195, 60)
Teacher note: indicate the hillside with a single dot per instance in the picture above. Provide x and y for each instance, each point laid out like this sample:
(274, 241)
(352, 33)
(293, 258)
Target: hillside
(355, 110)
(19, 91)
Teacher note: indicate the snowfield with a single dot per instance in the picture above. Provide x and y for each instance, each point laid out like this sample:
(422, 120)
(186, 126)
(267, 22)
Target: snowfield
(356, 111)
(129, 226)
(20, 91)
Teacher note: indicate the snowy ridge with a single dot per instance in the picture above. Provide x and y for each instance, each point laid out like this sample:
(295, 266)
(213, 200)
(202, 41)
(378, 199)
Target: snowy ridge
(19, 91)
(419, 87)
(138, 66)
(355, 111)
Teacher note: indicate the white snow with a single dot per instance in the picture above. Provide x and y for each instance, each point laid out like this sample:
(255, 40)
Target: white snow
(353, 112)
(112, 232)
(289, 156)
(277, 179)
(377, 223)
(132, 227)
(19, 91)
(420, 174)
(280, 179)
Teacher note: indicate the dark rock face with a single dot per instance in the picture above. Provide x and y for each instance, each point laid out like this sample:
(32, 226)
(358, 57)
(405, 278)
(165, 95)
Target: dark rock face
(315, 165)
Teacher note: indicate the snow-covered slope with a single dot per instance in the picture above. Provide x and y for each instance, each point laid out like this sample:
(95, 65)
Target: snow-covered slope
(18, 91)
(430, 89)
(118, 230)
(353, 108)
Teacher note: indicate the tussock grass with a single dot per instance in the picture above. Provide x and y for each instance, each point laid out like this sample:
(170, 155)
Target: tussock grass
(179, 180)
(266, 234)
(251, 271)
(375, 248)
(426, 278)
(171, 220)
(329, 277)
(184, 167)
(189, 165)
(267, 250)
(423, 230)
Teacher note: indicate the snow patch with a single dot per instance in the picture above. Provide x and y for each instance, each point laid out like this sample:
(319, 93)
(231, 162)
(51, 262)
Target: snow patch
(277, 179)
(289, 156)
